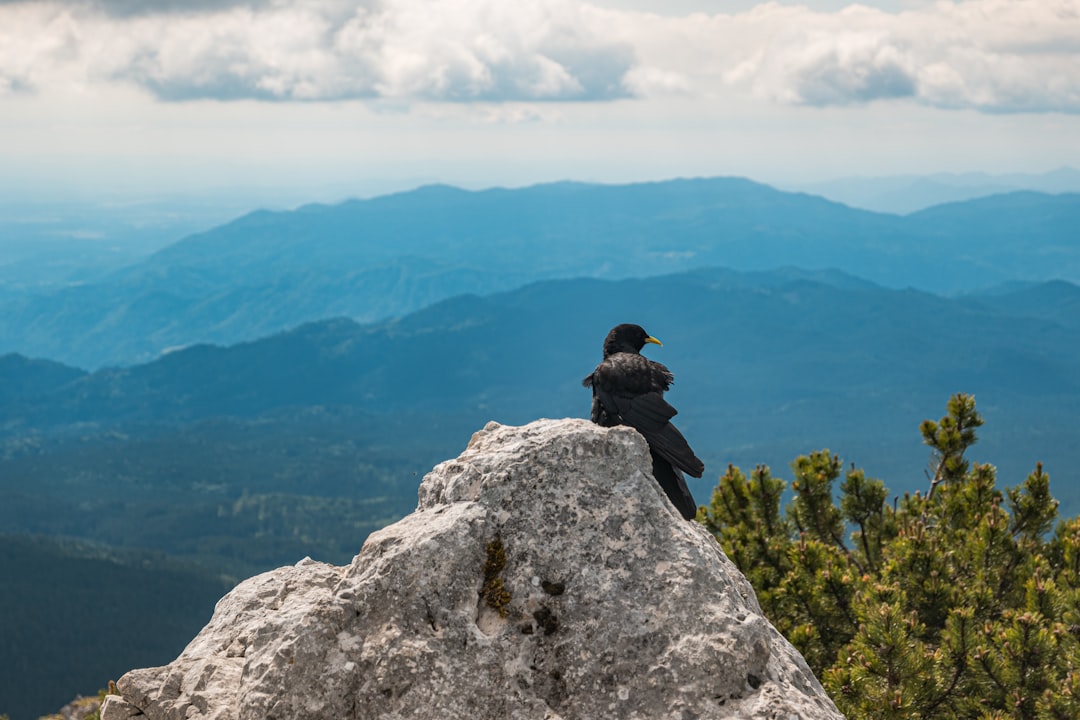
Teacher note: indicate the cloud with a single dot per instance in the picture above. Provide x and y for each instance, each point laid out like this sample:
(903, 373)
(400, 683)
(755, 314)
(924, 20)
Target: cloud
(989, 55)
(322, 50)
(130, 8)
(857, 71)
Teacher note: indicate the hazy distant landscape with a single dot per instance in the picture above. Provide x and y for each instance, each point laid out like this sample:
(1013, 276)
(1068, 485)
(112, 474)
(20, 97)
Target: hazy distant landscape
(380, 258)
(903, 194)
(276, 386)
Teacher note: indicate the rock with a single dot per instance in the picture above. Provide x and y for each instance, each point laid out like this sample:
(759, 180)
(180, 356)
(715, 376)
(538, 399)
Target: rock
(543, 576)
(117, 708)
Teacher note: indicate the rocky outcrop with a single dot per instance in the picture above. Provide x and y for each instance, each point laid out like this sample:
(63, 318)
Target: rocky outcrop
(544, 575)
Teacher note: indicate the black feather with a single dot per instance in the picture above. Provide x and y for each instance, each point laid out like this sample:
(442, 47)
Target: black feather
(628, 389)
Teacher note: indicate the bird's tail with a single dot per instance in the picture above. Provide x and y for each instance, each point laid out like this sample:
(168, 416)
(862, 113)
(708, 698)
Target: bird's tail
(671, 480)
(671, 444)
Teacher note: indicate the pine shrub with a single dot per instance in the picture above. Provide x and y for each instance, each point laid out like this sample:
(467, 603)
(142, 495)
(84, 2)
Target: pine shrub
(963, 602)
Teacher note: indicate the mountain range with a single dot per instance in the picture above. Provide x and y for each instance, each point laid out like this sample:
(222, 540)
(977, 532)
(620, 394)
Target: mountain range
(904, 194)
(768, 365)
(276, 387)
(385, 257)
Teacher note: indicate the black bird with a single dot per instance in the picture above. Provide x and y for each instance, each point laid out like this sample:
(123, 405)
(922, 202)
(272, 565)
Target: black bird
(628, 389)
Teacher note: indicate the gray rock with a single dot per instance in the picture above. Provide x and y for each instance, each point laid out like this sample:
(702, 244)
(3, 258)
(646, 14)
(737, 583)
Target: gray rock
(544, 575)
(117, 708)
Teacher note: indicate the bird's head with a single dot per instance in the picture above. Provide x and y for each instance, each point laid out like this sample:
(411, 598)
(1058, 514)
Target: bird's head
(627, 338)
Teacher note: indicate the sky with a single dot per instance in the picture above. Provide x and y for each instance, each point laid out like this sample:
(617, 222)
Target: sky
(321, 99)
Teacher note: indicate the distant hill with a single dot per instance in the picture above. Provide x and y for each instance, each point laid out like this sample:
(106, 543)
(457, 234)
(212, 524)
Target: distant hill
(22, 377)
(48, 244)
(75, 615)
(374, 259)
(1056, 300)
(903, 194)
(767, 366)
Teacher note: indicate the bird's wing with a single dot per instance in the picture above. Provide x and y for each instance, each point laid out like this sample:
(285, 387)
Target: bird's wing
(650, 414)
(599, 413)
(629, 389)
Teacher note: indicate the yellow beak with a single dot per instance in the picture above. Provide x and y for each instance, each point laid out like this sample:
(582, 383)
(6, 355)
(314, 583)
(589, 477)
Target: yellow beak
(654, 341)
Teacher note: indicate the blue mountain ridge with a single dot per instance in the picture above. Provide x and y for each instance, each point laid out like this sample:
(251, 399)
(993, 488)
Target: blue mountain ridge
(388, 256)
(770, 363)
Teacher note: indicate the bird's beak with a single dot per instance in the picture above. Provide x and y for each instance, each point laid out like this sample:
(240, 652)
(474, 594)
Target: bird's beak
(654, 341)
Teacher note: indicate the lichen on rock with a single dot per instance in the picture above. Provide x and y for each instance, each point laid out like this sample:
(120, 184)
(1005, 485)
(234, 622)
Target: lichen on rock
(494, 590)
(607, 605)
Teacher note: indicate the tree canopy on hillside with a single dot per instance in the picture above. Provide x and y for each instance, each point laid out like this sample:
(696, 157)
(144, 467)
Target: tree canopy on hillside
(956, 603)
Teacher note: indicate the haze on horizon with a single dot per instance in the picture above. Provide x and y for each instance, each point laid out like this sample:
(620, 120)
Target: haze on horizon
(322, 99)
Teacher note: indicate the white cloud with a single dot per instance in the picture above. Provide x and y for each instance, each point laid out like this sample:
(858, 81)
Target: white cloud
(988, 55)
(35, 41)
(447, 50)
